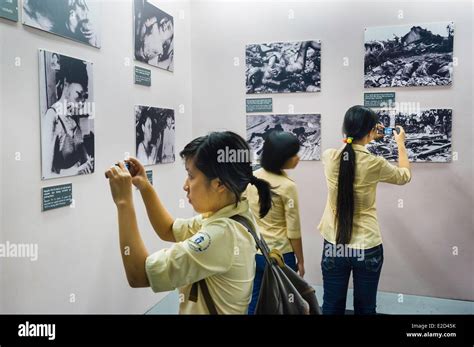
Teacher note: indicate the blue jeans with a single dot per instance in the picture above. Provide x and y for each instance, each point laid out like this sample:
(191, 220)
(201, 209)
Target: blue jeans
(366, 268)
(290, 260)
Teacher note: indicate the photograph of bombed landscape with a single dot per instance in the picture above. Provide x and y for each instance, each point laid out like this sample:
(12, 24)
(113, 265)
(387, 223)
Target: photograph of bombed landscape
(428, 135)
(409, 55)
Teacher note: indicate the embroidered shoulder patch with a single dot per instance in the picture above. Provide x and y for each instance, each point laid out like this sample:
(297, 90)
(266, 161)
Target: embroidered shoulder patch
(199, 242)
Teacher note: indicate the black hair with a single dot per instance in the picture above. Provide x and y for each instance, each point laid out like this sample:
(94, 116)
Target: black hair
(208, 151)
(73, 71)
(358, 122)
(279, 146)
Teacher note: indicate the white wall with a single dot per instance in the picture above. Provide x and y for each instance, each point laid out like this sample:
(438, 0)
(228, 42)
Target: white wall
(78, 247)
(438, 203)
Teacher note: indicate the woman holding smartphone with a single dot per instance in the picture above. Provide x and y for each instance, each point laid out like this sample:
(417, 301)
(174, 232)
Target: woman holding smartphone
(350, 217)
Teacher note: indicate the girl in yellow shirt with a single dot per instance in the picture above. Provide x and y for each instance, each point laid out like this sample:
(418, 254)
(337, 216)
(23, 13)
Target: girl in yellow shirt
(210, 246)
(352, 239)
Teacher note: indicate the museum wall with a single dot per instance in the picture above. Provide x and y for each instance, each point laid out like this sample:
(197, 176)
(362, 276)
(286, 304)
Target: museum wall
(79, 267)
(427, 241)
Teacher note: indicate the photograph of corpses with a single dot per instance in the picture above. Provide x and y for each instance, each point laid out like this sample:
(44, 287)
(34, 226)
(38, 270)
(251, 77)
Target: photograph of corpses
(155, 135)
(67, 112)
(74, 19)
(306, 127)
(154, 35)
(283, 67)
(428, 135)
(409, 55)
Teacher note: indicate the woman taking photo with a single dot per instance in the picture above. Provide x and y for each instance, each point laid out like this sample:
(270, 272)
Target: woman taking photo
(281, 226)
(350, 217)
(210, 246)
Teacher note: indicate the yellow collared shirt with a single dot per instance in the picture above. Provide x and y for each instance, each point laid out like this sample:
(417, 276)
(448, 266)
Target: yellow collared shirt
(213, 247)
(283, 220)
(370, 170)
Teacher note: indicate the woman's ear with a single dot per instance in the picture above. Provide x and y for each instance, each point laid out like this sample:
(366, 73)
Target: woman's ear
(217, 185)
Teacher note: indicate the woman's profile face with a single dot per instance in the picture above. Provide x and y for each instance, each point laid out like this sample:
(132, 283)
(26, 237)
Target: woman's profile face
(198, 189)
(76, 96)
(147, 128)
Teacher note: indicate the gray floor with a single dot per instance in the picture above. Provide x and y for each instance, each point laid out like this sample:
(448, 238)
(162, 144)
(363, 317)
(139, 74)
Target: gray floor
(387, 303)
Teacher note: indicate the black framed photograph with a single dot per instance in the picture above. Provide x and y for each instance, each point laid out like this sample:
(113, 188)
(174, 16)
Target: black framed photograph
(77, 20)
(67, 112)
(409, 55)
(428, 135)
(306, 127)
(283, 67)
(154, 35)
(155, 135)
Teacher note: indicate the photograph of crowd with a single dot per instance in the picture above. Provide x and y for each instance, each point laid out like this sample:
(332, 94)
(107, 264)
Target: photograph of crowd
(74, 19)
(428, 135)
(155, 135)
(283, 67)
(306, 127)
(154, 35)
(67, 112)
(409, 55)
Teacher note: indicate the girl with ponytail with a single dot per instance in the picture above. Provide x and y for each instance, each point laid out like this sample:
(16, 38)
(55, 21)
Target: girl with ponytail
(281, 228)
(352, 238)
(210, 249)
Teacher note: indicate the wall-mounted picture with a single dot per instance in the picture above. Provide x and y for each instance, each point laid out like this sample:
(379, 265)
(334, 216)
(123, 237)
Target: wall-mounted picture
(154, 35)
(306, 127)
(67, 112)
(9, 9)
(283, 67)
(155, 134)
(409, 55)
(74, 19)
(428, 135)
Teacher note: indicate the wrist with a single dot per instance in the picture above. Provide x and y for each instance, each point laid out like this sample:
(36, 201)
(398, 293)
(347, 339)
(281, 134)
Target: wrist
(145, 186)
(124, 204)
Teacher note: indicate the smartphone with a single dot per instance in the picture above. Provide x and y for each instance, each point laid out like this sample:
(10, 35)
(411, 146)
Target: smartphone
(127, 165)
(388, 131)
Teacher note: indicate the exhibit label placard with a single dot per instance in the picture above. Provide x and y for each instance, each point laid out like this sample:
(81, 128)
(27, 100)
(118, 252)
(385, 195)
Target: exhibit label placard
(259, 105)
(9, 9)
(56, 196)
(149, 175)
(378, 100)
(142, 76)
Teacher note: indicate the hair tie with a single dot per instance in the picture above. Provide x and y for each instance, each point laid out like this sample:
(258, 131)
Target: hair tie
(348, 140)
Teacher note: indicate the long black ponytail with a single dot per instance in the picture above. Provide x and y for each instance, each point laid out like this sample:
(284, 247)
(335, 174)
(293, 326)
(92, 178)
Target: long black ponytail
(227, 156)
(358, 122)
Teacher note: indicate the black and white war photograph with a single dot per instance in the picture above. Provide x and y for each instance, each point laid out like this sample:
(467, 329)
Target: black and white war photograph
(155, 134)
(409, 55)
(74, 19)
(283, 67)
(428, 135)
(154, 35)
(306, 127)
(67, 112)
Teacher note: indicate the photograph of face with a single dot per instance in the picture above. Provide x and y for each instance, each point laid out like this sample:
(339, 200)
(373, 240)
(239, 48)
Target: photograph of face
(306, 127)
(428, 135)
(154, 35)
(74, 19)
(67, 112)
(409, 55)
(283, 67)
(155, 135)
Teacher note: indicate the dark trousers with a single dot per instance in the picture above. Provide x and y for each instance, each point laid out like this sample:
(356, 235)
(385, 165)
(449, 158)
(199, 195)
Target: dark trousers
(260, 263)
(366, 273)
